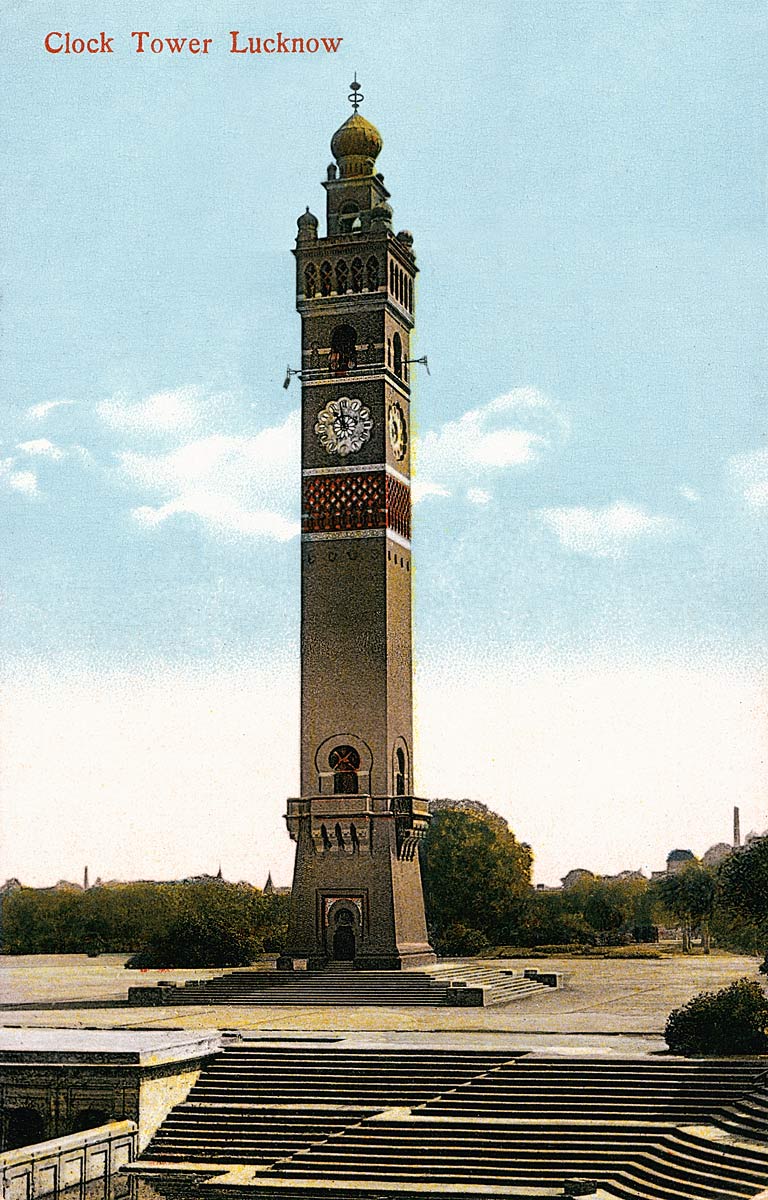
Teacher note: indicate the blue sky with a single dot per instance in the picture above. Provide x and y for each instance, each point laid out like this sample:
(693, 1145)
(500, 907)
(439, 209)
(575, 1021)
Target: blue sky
(586, 189)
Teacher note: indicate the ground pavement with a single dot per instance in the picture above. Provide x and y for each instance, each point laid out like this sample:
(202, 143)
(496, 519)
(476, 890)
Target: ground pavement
(615, 1004)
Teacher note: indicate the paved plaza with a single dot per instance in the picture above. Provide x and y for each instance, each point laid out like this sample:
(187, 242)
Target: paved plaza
(604, 1003)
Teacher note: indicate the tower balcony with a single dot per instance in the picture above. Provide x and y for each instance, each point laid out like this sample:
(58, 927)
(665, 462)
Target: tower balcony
(345, 823)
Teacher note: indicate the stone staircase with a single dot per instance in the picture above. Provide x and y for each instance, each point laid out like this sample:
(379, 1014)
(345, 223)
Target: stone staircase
(470, 984)
(376, 1122)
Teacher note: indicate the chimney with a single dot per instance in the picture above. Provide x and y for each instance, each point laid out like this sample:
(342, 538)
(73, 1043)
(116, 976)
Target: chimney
(736, 829)
(85, 880)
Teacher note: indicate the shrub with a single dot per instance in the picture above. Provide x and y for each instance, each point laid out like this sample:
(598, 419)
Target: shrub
(731, 1021)
(460, 940)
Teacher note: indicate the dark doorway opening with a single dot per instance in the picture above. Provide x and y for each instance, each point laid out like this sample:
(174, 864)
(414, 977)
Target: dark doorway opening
(24, 1127)
(89, 1118)
(344, 944)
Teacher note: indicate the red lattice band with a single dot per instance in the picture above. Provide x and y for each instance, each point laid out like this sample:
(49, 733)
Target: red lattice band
(349, 501)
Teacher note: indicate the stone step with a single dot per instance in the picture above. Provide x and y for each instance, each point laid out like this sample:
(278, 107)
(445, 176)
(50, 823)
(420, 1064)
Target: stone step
(349, 988)
(304, 1116)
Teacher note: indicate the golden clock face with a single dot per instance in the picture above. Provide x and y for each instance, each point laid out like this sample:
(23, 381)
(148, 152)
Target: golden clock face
(398, 431)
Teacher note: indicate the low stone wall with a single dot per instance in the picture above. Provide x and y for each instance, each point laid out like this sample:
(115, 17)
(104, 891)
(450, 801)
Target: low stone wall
(67, 1164)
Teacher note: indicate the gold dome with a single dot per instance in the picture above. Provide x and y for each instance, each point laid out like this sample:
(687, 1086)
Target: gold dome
(356, 144)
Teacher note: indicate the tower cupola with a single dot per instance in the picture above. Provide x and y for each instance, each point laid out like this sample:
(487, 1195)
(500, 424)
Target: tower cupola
(356, 145)
(307, 224)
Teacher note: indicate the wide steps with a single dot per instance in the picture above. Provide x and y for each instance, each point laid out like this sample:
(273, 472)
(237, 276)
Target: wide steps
(194, 1134)
(352, 988)
(421, 1152)
(468, 1121)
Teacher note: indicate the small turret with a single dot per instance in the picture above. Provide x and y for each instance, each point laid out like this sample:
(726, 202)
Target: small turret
(307, 224)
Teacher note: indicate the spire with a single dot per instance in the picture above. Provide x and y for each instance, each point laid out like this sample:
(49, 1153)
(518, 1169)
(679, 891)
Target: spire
(218, 873)
(356, 144)
(355, 96)
(269, 887)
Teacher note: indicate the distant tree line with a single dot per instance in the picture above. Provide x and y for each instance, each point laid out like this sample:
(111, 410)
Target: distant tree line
(164, 924)
(478, 892)
(477, 883)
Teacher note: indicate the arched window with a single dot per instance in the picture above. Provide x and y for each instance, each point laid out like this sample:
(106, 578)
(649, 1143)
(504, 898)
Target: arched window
(410, 295)
(310, 280)
(389, 352)
(24, 1127)
(397, 350)
(357, 274)
(339, 836)
(344, 761)
(392, 277)
(342, 276)
(343, 354)
(326, 274)
(324, 836)
(89, 1118)
(399, 772)
(349, 218)
(399, 278)
(372, 271)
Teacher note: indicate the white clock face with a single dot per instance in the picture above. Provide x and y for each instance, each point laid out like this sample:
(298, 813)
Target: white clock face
(398, 432)
(343, 426)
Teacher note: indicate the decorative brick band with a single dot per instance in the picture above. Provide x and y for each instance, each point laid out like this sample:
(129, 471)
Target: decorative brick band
(350, 501)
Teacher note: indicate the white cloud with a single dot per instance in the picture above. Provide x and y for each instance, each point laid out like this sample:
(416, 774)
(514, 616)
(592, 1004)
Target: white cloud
(421, 488)
(38, 411)
(605, 532)
(477, 495)
(163, 412)
(244, 485)
(690, 494)
(513, 430)
(750, 474)
(18, 481)
(222, 514)
(41, 448)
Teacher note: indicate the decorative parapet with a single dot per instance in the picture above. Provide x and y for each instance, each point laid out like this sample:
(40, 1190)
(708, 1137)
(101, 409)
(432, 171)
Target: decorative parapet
(47, 1168)
(411, 824)
(344, 824)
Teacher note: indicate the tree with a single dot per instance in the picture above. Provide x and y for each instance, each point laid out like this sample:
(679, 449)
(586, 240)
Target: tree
(476, 875)
(689, 895)
(742, 881)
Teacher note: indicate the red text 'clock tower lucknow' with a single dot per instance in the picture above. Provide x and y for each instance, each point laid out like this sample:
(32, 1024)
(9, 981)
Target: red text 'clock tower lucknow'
(357, 895)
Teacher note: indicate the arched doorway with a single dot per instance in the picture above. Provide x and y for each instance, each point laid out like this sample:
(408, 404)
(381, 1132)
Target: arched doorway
(89, 1118)
(344, 944)
(343, 936)
(24, 1127)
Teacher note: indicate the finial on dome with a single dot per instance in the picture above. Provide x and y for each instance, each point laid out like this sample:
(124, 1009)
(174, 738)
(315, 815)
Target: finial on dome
(355, 96)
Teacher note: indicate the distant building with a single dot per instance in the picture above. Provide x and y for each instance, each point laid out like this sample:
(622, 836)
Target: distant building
(716, 854)
(677, 859)
(577, 875)
(269, 888)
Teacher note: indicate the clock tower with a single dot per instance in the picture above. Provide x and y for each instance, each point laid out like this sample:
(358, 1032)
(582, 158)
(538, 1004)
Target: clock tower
(357, 896)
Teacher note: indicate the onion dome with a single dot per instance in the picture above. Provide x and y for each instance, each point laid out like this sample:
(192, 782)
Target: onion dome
(307, 224)
(356, 145)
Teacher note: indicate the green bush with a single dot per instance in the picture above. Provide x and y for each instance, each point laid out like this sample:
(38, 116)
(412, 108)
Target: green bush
(731, 1021)
(460, 940)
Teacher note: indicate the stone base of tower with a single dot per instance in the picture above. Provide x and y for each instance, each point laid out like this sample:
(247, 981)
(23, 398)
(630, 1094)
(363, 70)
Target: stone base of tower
(357, 899)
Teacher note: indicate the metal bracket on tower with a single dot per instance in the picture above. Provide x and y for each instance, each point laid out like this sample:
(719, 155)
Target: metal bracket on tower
(289, 371)
(421, 361)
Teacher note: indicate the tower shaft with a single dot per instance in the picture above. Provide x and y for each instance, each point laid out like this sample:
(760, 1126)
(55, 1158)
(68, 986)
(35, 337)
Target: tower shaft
(357, 892)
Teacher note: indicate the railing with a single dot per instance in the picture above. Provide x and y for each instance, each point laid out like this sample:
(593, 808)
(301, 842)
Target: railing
(79, 1166)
